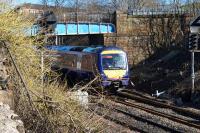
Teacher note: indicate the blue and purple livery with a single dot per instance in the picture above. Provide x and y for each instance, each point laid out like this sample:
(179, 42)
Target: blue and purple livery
(83, 62)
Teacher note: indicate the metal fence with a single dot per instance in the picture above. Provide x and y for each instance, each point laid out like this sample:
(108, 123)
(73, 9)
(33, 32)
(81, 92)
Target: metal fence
(104, 17)
(165, 9)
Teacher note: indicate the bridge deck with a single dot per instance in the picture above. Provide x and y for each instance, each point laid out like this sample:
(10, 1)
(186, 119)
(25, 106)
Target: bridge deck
(78, 28)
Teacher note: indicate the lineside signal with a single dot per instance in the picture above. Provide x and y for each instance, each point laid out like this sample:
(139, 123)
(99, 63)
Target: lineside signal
(194, 41)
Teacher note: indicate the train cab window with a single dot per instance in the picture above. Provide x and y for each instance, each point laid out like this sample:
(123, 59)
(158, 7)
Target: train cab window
(114, 61)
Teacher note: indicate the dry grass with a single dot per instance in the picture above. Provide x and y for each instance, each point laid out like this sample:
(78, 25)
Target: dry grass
(43, 108)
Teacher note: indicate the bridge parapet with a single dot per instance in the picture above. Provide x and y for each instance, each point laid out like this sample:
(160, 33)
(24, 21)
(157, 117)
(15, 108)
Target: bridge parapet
(97, 17)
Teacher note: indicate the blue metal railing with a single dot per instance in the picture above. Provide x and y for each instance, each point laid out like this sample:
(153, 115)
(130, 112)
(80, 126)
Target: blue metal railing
(76, 29)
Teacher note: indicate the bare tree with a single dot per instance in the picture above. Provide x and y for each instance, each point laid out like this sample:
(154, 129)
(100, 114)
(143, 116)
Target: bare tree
(45, 2)
(131, 4)
(6, 1)
(58, 3)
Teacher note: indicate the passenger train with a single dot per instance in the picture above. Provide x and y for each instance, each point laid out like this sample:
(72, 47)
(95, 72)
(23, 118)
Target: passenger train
(81, 62)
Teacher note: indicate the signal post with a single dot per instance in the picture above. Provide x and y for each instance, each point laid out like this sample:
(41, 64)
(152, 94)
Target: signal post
(194, 46)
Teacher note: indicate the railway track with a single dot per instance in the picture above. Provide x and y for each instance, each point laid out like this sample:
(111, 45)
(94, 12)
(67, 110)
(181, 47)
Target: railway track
(121, 100)
(170, 117)
(140, 122)
(143, 99)
(135, 117)
(124, 124)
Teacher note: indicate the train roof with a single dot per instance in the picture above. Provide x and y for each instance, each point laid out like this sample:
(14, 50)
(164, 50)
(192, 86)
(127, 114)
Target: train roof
(111, 48)
(65, 48)
(88, 49)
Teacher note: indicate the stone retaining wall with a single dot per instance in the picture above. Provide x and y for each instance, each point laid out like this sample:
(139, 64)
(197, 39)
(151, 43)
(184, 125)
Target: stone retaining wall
(140, 36)
(9, 121)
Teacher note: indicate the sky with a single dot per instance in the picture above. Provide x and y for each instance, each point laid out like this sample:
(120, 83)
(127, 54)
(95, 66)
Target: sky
(18, 2)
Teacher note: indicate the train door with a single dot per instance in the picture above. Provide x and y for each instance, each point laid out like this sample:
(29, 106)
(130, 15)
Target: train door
(79, 58)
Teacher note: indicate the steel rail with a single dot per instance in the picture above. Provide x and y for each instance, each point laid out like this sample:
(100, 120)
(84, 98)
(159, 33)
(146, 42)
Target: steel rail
(143, 99)
(139, 118)
(168, 116)
(124, 124)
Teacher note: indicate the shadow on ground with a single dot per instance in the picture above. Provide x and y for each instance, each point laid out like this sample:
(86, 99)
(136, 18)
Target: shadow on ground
(168, 71)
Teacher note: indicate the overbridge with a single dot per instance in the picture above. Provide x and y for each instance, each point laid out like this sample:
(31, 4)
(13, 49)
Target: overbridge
(75, 28)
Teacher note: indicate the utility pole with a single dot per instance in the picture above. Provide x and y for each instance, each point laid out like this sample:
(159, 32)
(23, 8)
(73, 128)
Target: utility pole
(42, 68)
(77, 11)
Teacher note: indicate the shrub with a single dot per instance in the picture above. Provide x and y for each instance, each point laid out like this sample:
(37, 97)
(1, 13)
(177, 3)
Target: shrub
(43, 107)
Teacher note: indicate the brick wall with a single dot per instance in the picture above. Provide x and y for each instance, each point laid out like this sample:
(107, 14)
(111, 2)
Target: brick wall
(141, 36)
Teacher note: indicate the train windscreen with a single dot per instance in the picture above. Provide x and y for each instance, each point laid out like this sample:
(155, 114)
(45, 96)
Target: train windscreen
(114, 61)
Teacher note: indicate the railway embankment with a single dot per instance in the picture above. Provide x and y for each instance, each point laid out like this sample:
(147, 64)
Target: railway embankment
(170, 74)
(9, 121)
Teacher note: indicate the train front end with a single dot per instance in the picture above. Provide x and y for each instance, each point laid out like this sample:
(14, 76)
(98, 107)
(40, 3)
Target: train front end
(114, 67)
